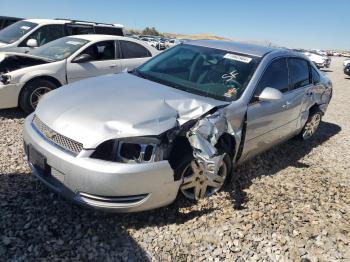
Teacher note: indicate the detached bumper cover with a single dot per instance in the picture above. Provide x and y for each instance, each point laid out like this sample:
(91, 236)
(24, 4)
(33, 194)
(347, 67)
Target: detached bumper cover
(115, 187)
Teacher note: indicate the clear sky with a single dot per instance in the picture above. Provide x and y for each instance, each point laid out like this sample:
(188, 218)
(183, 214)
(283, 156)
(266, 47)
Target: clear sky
(323, 24)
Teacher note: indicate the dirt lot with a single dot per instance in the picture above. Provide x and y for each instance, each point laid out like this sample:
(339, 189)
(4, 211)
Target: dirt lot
(292, 202)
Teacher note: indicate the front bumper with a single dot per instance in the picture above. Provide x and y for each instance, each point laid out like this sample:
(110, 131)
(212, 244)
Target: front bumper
(9, 95)
(109, 186)
(325, 64)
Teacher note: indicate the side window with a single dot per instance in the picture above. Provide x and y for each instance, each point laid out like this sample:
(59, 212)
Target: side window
(101, 51)
(74, 29)
(275, 76)
(45, 34)
(133, 50)
(315, 76)
(299, 72)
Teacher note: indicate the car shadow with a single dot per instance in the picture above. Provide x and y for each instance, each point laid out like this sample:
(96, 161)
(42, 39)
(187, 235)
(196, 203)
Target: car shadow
(38, 224)
(276, 159)
(13, 113)
(326, 70)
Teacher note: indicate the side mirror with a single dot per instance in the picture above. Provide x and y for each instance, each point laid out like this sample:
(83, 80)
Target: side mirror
(270, 94)
(83, 58)
(32, 43)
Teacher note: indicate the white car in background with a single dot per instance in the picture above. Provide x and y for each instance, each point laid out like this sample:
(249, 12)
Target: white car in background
(150, 41)
(24, 78)
(319, 60)
(172, 42)
(346, 62)
(321, 52)
(27, 34)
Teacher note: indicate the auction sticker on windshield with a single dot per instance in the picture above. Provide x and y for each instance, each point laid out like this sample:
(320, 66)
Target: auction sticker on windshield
(73, 43)
(239, 58)
(25, 27)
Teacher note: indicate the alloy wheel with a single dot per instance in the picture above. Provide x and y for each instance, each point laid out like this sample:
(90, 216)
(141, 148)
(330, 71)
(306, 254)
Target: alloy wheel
(199, 184)
(311, 126)
(37, 94)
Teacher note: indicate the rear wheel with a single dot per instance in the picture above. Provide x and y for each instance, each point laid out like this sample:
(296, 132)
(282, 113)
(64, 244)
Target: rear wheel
(199, 184)
(32, 93)
(311, 125)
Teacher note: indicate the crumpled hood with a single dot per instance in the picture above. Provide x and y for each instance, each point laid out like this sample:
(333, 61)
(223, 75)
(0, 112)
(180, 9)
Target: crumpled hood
(10, 61)
(116, 106)
(24, 55)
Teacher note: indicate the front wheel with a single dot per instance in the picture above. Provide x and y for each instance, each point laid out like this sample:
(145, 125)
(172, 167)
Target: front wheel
(311, 125)
(32, 93)
(199, 184)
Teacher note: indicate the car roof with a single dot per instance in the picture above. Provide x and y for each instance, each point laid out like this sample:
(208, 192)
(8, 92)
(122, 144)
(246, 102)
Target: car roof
(65, 21)
(11, 17)
(100, 37)
(239, 47)
(46, 21)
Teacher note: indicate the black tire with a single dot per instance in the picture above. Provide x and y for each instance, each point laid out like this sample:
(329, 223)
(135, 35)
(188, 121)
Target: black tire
(27, 101)
(311, 125)
(186, 160)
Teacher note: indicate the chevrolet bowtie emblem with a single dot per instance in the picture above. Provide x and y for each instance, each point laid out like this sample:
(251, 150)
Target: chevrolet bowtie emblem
(50, 134)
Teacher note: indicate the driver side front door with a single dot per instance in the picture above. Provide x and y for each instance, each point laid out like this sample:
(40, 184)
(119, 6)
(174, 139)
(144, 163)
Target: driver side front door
(103, 61)
(269, 122)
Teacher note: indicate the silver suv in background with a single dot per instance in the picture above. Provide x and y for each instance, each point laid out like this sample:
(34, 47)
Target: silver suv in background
(178, 123)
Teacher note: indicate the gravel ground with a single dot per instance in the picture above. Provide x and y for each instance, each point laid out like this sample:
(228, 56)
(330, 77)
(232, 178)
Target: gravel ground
(291, 203)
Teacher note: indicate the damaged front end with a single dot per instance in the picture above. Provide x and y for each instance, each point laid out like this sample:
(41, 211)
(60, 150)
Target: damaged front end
(211, 164)
(12, 61)
(196, 151)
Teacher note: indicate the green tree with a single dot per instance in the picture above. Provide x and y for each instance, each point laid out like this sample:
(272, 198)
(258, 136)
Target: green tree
(150, 31)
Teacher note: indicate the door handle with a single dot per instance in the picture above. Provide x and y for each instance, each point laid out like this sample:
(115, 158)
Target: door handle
(286, 104)
(309, 93)
(113, 66)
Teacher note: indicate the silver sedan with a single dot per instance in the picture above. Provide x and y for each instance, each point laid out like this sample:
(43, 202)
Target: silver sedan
(179, 123)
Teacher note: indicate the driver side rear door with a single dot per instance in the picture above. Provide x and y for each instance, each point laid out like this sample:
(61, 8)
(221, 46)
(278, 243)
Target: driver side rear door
(103, 61)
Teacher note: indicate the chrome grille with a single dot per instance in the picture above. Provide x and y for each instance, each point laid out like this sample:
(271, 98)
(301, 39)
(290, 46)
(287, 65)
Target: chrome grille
(56, 138)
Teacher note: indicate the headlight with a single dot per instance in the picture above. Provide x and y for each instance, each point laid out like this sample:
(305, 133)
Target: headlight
(130, 150)
(5, 79)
